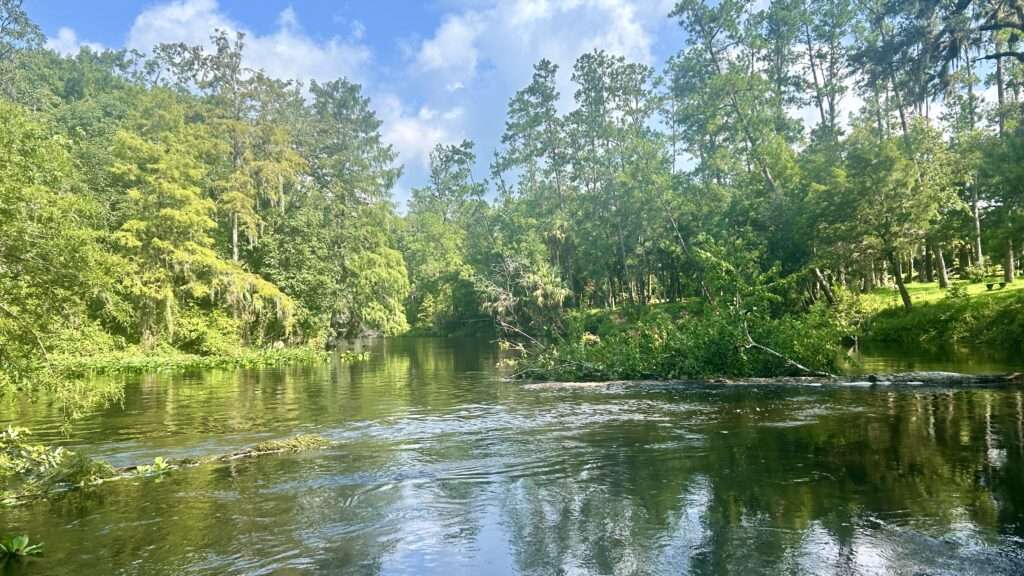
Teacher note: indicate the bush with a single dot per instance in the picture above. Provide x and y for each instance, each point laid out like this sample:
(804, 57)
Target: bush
(974, 274)
(958, 291)
(86, 339)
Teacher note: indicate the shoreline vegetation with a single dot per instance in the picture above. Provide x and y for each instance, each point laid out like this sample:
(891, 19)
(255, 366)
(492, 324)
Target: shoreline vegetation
(134, 361)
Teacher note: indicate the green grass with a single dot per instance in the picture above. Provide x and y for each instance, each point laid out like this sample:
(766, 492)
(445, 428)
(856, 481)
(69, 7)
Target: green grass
(982, 319)
(299, 443)
(923, 293)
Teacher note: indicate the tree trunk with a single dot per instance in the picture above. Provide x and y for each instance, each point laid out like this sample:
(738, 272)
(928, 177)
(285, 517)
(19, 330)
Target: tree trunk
(1009, 269)
(910, 275)
(941, 261)
(897, 265)
(825, 288)
(929, 268)
(1000, 94)
(965, 260)
(234, 237)
(979, 259)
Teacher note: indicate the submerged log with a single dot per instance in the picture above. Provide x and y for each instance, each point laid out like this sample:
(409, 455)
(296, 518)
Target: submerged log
(903, 379)
(160, 466)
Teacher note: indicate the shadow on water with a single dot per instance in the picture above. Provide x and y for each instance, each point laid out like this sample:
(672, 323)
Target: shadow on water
(440, 467)
(888, 358)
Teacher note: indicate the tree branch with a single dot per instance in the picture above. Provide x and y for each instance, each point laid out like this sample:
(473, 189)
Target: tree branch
(1019, 56)
(789, 361)
(39, 340)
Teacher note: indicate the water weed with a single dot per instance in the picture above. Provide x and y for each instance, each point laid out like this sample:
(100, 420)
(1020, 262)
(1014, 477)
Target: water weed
(15, 546)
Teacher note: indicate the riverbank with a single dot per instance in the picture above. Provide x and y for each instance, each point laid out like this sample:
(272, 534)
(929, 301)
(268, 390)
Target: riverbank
(970, 316)
(901, 380)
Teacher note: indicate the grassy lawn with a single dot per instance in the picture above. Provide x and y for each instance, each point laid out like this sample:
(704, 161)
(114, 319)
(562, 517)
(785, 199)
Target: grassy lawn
(991, 320)
(920, 293)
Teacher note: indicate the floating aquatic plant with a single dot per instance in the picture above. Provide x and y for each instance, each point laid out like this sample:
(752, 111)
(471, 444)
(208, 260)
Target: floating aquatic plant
(159, 466)
(19, 546)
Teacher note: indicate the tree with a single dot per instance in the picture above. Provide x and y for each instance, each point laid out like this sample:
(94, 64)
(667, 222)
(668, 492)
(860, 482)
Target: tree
(898, 193)
(18, 34)
(52, 266)
(434, 243)
(334, 243)
(166, 226)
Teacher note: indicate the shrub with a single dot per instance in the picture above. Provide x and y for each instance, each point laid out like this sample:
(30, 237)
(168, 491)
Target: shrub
(958, 291)
(974, 274)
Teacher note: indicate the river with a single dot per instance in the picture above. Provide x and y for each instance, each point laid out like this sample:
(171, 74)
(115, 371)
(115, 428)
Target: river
(440, 467)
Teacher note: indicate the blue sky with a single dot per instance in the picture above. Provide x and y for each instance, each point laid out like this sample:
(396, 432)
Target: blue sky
(437, 71)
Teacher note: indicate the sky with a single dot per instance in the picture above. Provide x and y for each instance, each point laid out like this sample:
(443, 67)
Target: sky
(437, 71)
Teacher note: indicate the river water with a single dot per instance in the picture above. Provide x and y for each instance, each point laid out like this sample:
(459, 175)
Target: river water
(440, 467)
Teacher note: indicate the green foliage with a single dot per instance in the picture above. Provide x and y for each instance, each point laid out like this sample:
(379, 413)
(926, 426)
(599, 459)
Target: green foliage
(435, 243)
(51, 265)
(27, 469)
(975, 274)
(158, 467)
(19, 546)
(186, 217)
(213, 334)
(169, 359)
(186, 205)
(299, 443)
(651, 343)
(958, 292)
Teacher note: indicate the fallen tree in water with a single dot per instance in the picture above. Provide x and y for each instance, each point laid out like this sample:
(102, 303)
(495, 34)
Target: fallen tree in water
(904, 379)
(667, 343)
(32, 471)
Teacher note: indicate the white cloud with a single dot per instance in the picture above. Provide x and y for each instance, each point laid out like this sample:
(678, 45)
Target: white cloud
(287, 18)
(518, 31)
(453, 47)
(286, 53)
(414, 135)
(66, 43)
(188, 21)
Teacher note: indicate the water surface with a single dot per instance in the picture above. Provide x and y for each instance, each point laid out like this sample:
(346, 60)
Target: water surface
(440, 467)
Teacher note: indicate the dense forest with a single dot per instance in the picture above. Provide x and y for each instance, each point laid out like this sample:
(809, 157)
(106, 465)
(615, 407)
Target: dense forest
(784, 160)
